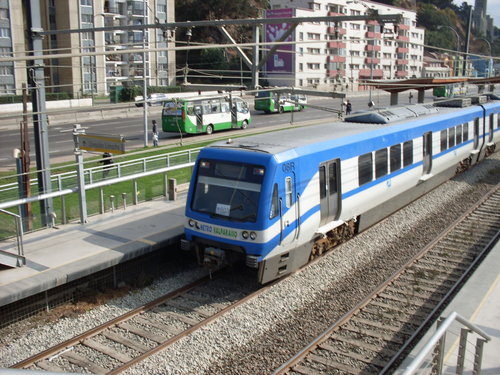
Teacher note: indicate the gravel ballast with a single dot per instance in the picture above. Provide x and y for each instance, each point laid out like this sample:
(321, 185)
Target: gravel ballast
(259, 336)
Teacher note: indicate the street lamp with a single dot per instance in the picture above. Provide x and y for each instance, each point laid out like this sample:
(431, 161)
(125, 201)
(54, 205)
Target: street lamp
(455, 70)
(489, 59)
(188, 35)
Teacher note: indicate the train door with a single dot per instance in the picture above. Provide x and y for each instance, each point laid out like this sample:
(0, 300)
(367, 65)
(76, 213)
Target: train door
(476, 134)
(329, 191)
(288, 211)
(427, 153)
(198, 111)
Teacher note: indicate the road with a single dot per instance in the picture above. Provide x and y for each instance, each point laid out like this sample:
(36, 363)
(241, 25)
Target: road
(61, 140)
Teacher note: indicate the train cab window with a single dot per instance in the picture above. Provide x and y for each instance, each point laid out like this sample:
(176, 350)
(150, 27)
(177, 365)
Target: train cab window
(444, 140)
(407, 153)
(380, 163)
(322, 182)
(395, 155)
(288, 192)
(274, 203)
(365, 168)
(458, 131)
(451, 137)
(466, 132)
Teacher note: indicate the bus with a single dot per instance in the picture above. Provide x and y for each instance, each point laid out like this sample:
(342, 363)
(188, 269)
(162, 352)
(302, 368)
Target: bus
(449, 91)
(205, 114)
(271, 101)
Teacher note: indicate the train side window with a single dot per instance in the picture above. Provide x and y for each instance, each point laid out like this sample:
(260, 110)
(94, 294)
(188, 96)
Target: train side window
(466, 132)
(395, 155)
(365, 168)
(492, 125)
(322, 182)
(444, 140)
(476, 133)
(380, 163)
(451, 137)
(458, 131)
(288, 192)
(332, 178)
(274, 203)
(407, 153)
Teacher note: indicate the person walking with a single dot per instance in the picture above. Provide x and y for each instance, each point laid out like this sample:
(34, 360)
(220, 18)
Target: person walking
(107, 161)
(348, 108)
(155, 134)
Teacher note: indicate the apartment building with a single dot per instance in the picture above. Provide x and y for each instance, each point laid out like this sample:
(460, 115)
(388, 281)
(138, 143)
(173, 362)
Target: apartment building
(104, 66)
(342, 55)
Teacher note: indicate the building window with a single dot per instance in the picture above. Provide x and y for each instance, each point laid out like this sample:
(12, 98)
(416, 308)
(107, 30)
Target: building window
(313, 66)
(5, 52)
(87, 3)
(313, 36)
(6, 71)
(4, 14)
(4, 32)
(161, 8)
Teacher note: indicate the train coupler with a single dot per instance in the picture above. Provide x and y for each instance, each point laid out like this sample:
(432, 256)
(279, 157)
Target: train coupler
(213, 258)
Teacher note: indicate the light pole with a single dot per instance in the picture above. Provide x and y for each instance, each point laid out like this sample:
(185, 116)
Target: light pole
(489, 59)
(144, 75)
(455, 69)
(188, 34)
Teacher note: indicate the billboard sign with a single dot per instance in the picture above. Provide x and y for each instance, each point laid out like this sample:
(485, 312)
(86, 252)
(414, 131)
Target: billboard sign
(102, 143)
(282, 59)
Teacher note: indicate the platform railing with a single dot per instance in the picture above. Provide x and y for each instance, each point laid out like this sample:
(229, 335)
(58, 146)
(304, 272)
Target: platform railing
(10, 259)
(60, 181)
(431, 358)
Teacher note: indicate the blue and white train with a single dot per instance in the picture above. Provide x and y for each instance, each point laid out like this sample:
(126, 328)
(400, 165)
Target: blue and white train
(272, 198)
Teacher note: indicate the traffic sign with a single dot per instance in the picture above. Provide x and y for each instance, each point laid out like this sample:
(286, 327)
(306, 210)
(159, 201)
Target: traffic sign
(102, 143)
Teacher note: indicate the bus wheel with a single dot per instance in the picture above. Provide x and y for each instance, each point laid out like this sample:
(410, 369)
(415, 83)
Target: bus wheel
(244, 124)
(300, 108)
(210, 129)
(280, 110)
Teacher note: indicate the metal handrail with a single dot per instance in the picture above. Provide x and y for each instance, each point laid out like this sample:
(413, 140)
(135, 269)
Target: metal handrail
(438, 336)
(19, 235)
(141, 164)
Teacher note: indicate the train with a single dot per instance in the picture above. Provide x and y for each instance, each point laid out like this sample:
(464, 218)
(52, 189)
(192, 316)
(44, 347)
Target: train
(277, 200)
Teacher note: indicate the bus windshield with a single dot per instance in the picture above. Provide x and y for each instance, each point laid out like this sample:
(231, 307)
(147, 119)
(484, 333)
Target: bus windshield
(228, 190)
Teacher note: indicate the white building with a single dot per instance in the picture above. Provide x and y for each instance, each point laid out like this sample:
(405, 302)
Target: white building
(324, 56)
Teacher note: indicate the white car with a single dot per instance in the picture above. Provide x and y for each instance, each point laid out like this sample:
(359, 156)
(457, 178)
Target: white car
(153, 99)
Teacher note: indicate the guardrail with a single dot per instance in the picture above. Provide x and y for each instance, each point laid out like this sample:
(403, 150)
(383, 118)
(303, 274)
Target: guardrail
(431, 356)
(96, 179)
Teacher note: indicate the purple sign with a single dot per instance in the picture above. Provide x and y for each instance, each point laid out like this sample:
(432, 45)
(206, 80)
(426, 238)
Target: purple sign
(282, 60)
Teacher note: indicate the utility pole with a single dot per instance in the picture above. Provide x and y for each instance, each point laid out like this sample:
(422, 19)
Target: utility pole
(40, 124)
(467, 40)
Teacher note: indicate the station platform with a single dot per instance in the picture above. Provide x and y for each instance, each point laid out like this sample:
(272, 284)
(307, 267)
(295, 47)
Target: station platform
(55, 257)
(478, 301)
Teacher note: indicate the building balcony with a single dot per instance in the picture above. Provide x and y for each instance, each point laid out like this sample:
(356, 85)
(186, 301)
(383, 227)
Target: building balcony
(336, 58)
(111, 10)
(370, 60)
(335, 73)
(401, 50)
(401, 73)
(403, 27)
(369, 73)
(331, 30)
(403, 38)
(401, 62)
(372, 22)
(333, 14)
(336, 45)
(373, 35)
(370, 47)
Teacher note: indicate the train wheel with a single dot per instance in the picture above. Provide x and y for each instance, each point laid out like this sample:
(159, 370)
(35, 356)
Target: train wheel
(210, 129)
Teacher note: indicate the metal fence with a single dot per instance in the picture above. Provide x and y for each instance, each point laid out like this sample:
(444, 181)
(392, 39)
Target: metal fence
(106, 187)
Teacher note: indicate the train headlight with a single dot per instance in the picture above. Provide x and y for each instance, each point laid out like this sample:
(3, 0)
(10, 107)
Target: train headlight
(244, 234)
(191, 223)
(253, 235)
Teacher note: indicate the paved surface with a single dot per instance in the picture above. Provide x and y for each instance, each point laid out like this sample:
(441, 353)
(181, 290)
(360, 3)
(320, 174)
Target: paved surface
(479, 303)
(58, 256)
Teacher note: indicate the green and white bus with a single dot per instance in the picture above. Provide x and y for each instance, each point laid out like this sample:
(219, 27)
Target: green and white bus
(205, 114)
(272, 101)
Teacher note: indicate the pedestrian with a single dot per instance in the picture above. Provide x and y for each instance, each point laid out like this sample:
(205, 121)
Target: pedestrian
(410, 97)
(155, 140)
(155, 127)
(107, 161)
(348, 108)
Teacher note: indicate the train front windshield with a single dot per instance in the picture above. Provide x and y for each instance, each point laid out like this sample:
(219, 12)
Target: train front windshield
(228, 190)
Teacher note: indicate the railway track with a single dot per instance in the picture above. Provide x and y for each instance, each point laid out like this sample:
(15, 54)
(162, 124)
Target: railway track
(375, 335)
(132, 337)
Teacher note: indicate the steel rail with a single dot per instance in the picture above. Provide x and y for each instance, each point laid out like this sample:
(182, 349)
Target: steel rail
(298, 357)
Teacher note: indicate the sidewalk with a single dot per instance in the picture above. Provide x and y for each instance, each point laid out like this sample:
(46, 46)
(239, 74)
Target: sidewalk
(58, 256)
